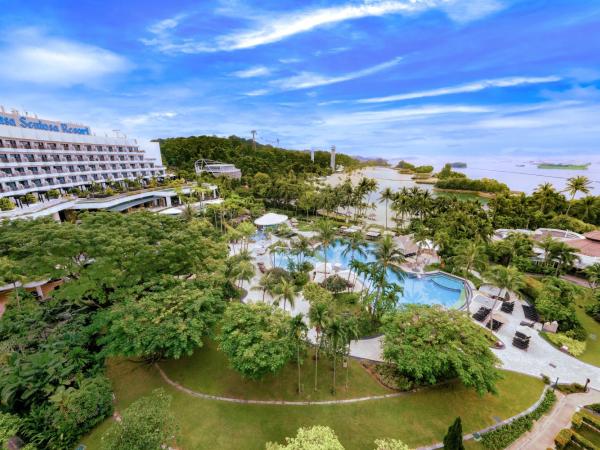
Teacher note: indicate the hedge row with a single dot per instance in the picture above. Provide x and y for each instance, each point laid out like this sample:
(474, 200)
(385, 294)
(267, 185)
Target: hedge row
(505, 435)
(566, 436)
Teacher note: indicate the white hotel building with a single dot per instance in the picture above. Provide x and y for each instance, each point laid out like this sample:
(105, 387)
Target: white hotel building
(40, 155)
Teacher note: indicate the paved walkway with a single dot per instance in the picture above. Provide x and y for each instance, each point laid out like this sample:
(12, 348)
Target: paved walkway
(542, 434)
(272, 402)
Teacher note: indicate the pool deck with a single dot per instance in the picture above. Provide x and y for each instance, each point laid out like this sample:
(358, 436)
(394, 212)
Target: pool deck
(540, 358)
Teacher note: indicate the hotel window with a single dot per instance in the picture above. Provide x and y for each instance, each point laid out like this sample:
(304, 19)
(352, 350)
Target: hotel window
(77, 147)
(25, 144)
(58, 168)
(95, 176)
(73, 179)
(4, 158)
(12, 185)
(84, 177)
(40, 145)
(50, 181)
(120, 149)
(99, 148)
(34, 170)
(45, 158)
(81, 168)
(68, 157)
(71, 168)
(61, 180)
(110, 149)
(37, 183)
(6, 172)
(79, 158)
(52, 145)
(121, 158)
(55, 157)
(66, 146)
(17, 158)
(30, 158)
(88, 148)
(12, 144)
(101, 157)
(1, 145)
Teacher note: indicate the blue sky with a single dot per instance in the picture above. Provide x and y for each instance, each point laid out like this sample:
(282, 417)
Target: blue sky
(390, 78)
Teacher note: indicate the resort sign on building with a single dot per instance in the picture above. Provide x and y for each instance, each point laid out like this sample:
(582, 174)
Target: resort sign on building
(17, 120)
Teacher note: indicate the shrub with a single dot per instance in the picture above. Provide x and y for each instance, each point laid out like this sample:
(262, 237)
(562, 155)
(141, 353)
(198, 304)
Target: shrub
(53, 193)
(572, 388)
(576, 348)
(6, 204)
(582, 442)
(466, 184)
(424, 169)
(594, 407)
(563, 438)
(30, 198)
(335, 284)
(503, 436)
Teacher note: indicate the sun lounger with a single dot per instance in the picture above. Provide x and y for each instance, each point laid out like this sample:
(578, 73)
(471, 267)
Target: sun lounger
(508, 307)
(522, 344)
(522, 336)
(526, 324)
(531, 313)
(482, 314)
(496, 324)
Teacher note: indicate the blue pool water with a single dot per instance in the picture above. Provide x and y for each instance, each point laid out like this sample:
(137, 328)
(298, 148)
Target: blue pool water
(438, 289)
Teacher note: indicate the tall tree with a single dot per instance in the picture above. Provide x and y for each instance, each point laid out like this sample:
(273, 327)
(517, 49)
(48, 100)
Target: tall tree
(285, 290)
(507, 279)
(298, 330)
(325, 234)
(256, 339)
(386, 196)
(320, 300)
(354, 245)
(575, 185)
(454, 438)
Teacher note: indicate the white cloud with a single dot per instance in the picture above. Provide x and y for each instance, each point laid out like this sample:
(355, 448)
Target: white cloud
(143, 119)
(257, 92)
(464, 88)
(306, 80)
(284, 26)
(35, 58)
(400, 114)
(256, 71)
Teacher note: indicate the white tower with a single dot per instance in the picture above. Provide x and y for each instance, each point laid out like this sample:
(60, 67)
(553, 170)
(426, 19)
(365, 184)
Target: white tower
(332, 158)
(312, 155)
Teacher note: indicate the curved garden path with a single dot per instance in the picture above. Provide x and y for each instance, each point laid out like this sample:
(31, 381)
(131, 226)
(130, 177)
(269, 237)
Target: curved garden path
(193, 393)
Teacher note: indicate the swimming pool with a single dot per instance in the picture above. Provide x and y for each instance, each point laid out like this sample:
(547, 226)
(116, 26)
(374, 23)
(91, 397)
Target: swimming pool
(435, 289)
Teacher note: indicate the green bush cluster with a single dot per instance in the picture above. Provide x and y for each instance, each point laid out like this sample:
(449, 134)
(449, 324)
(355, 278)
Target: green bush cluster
(6, 204)
(567, 436)
(576, 348)
(467, 184)
(502, 437)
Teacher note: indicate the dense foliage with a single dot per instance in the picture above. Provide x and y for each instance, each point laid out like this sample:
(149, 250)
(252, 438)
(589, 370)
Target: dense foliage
(256, 339)
(147, 424)
(138, 285)
(467, 184)
(429, 345)
(181, 153)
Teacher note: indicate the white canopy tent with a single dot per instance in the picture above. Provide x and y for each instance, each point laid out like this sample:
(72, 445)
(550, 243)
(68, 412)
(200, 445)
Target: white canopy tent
(270, 219)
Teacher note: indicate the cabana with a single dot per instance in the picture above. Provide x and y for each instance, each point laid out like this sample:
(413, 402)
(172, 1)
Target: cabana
(270, 220)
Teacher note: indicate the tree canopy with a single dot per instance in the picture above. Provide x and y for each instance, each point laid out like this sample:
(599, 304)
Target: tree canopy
(429, 344)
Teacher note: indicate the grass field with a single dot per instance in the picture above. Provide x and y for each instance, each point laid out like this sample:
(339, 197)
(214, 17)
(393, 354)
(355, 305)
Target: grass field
(417, 418)
(592, 351)
(208, 371)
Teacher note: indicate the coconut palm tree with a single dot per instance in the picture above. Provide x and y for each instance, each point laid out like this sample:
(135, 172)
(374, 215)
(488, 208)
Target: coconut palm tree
(335, 334)
(564, 255)
(354, 245)
(245, 271)
(266, 284)
(386, 195)
(470, 255)
(318, 315)
(593, 273)
(577, 184)
(507, 279)
(325, 234)
(301, 247)
(285, 290)
(298, 331)
(545, 192)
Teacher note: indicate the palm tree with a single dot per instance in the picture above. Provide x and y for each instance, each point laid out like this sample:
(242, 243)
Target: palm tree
(301, 247)
(318, 315)
(506, 278)
(387, 253)
(266, 284)
(245, 271)
(545, 191)
(335, 338)
(355, 244)
(577, 184)
(470, 255)
(350, 333)
(564, 255)
(587, 208)
(286, 291)
(298, 330)
(593, 273)
(420, 236)
(325, 234)
(386, 195)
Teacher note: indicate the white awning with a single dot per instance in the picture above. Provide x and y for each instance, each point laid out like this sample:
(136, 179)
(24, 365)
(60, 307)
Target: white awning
(271, 219)
(171, 212)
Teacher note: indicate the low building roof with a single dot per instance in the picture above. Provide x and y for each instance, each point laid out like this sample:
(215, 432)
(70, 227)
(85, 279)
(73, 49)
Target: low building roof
(588, 247)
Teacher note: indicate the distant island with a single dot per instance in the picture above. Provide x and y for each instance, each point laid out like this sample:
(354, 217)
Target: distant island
(458, 165)
(563, 166)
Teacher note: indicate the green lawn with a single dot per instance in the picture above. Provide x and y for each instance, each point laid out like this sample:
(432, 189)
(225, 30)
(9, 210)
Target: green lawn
(592, 351)
(417, 418)
(207, 371)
